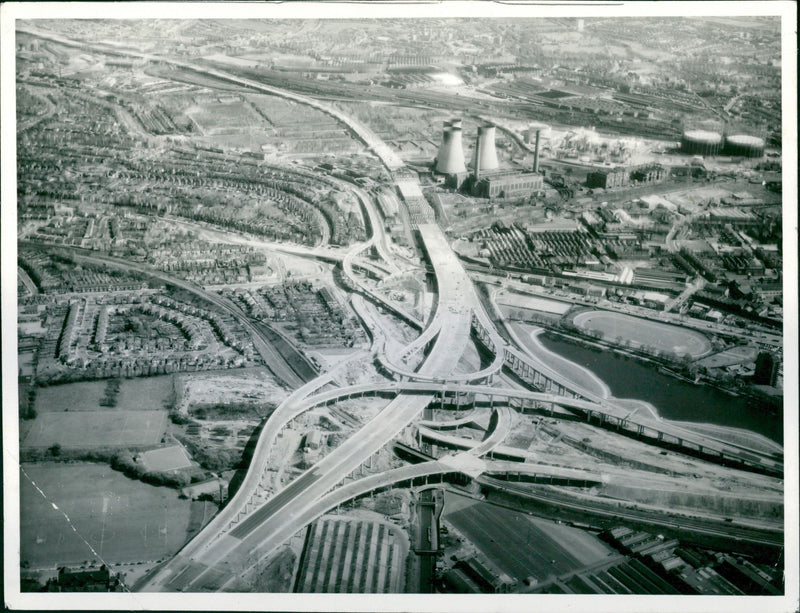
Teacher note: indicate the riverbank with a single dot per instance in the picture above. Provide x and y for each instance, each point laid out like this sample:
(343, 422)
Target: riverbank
(672, 398)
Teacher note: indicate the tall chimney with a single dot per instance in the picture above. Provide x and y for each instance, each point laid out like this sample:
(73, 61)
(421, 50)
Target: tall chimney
(536, 152)
(477, 156)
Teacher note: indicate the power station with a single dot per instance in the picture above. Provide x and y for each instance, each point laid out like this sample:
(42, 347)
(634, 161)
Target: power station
(486, 179)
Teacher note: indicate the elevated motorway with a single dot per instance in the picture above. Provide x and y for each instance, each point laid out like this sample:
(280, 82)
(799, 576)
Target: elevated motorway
(497, 434)
(217, 558)
(457, 302)
(270, 523)
(257, 481)
(599, 414)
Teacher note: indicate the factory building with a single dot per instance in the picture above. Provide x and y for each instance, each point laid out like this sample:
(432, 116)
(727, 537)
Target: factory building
(508, 185)
(607, 178)
(650, 173)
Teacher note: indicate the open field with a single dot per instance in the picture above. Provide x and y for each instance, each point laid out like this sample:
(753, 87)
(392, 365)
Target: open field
(142, 394)
(234, 115)
(123, 520)
(82, 429)
(641, 332)
(520, 545)
(735, 355)
(254, 387)
(168, 458)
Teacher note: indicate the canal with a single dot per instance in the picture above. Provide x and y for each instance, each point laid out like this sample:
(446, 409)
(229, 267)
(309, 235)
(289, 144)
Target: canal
(673, 398)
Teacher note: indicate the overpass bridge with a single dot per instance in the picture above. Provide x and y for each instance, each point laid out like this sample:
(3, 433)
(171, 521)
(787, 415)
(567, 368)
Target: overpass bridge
(463, 396)
(201, 564)
(255, 528)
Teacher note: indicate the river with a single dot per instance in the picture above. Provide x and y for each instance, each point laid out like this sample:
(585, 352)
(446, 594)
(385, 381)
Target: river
(673, 398)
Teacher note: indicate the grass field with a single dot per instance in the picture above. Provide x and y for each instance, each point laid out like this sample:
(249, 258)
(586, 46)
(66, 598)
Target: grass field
(168, 458)
(122, 519)
(232, 115)
(520, 545)
(642, 332)
(735, 355)
(142, 394)
(83, 429)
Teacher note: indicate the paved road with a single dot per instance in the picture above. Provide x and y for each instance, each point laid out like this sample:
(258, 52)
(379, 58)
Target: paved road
(214, 561)
(277, 362)
(289, 510)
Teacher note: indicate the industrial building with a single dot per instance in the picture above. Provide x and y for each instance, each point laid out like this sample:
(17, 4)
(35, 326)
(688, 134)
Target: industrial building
(620, 176)
(701, 142)
(487, 179)
(485, 574)
(607, 178)
(508, 185)
(744, 145)
(649, 173)
(767, 367)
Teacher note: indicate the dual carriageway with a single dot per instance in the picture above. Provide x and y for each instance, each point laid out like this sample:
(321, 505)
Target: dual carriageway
(252, 525)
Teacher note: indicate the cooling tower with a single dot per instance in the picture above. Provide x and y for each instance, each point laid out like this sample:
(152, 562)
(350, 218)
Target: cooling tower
(451, 155)
(485, 157)
(443, 148)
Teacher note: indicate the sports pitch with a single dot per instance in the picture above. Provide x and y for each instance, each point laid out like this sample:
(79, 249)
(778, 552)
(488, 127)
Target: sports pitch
(168, 458)
(642, 332)
(122, 519)
(82, 429)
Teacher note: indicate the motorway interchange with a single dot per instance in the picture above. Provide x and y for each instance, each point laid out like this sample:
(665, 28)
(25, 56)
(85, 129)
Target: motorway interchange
(263, 515)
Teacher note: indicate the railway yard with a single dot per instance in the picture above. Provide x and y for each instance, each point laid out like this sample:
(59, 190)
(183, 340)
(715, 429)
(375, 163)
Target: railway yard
(267, 344)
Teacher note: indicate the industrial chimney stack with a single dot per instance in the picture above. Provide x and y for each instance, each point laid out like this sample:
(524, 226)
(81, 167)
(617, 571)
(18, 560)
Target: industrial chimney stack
(536, 152)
